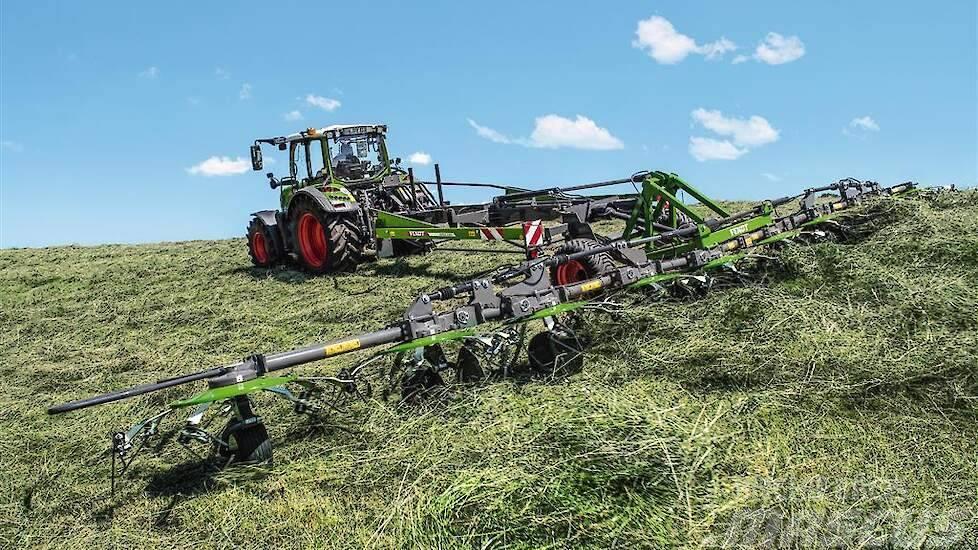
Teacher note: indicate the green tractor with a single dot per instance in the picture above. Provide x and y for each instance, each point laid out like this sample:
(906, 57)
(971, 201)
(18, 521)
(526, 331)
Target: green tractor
(339, 176)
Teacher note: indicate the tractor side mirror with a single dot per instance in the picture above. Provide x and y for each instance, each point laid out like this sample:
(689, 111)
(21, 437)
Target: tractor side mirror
(256, 163)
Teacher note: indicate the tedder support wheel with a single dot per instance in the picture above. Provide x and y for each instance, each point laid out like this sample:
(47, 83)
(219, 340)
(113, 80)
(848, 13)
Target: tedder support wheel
(245, 439)
(263, 244)
(556, 353)
(575, 271)
(327, 241)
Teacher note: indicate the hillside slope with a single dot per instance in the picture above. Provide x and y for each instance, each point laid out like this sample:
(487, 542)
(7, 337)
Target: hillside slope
(833, 403)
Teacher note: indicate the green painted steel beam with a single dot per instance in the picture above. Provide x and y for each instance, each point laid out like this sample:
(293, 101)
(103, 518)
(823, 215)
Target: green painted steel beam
(234, 390)
(565, 307)
(431, 340)
(390, 219)
(514, 233)
(734, 231)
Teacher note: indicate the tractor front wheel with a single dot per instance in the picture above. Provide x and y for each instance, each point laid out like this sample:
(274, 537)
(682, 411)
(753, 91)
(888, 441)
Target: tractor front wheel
(327, 242)
(263, 244)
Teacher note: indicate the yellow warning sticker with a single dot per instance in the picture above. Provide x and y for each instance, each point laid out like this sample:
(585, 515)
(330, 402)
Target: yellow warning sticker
(591, 285)
(340, 347)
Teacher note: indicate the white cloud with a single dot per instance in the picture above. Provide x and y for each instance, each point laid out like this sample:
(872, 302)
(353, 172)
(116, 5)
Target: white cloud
(865, 123)
(715, 50)
(245, 92)
(553, 131)
(740, 59)
(221, 73)
(771, 177)
(420, 158)
(12, 146)
(150, 72)
(292, 115)
(704, 149)
(777, 49)
(325, 103)
(752, 132)
(489, 133)
(220, 166)
(743, 134)
(663, 43)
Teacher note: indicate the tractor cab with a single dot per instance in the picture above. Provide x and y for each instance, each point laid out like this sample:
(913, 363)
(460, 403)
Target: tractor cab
(339, 155)
(358, 153)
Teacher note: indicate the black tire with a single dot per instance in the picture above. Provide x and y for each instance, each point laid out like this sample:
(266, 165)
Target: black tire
(264, 244)
(555, 354)
(342, 234)
(681, 218)
(245, 443)
(585, 268)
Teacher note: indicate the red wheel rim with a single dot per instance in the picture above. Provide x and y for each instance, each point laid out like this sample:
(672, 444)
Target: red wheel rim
(312, 241)
(258, 247)
(571, 272)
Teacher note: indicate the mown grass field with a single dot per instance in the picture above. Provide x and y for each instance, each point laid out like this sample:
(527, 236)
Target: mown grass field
(834, 403)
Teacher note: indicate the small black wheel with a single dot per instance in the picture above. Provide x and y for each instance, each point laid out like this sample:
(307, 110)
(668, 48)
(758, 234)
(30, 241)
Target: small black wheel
(264, 244)
(245, 441)
(575, 271)
(554, 353)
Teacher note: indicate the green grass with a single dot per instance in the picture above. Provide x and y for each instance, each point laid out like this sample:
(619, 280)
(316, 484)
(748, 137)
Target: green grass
(833, 404)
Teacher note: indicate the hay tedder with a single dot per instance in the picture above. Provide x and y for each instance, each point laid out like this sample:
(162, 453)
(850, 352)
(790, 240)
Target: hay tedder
(481, 327)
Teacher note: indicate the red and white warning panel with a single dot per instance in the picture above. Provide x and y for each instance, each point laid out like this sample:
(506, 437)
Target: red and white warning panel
(533, 233)
(491, 234)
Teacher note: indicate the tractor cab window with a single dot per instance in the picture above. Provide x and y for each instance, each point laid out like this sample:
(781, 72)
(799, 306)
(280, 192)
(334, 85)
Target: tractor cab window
(297, 160)
(316, 159)
(307, 160)
(356, 157)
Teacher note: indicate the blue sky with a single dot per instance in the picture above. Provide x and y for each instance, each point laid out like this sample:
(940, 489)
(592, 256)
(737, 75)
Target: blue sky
(106, 108)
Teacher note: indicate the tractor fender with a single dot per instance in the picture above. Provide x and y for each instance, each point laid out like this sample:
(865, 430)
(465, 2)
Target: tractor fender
(267, 217)
(270, 219)
(316, 195)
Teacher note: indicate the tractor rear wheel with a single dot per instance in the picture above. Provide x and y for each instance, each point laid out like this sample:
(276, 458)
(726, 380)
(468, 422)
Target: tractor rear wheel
(575, 271)
(327, 242)
(263, 244)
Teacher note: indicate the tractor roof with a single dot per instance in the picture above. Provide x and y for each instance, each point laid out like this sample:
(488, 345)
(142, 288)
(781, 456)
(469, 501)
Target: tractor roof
(332, 131)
